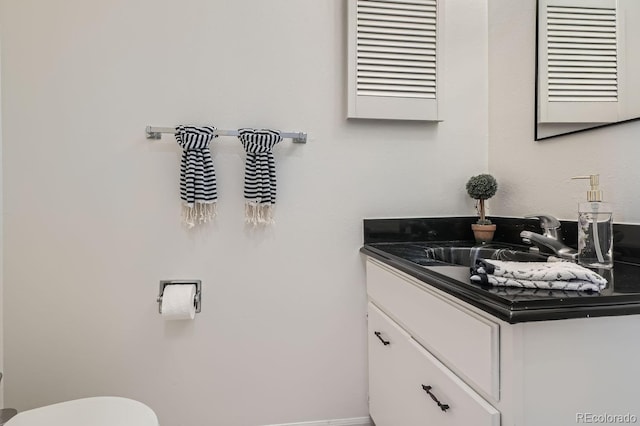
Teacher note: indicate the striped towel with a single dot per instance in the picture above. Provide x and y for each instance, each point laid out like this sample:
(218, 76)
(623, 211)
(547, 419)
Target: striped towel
(539, 275)
(259, 174)
(198, 189)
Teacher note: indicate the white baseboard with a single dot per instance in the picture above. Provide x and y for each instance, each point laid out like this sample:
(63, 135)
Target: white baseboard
(358, 421)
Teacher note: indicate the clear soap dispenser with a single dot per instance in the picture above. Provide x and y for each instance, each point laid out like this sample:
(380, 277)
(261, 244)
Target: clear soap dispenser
(595, 228)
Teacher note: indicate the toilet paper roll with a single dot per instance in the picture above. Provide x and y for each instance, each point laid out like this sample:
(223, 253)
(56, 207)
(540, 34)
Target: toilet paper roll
(178, 302)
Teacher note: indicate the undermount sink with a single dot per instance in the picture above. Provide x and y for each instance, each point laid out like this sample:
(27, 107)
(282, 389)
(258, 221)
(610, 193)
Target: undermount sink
(458, 253)
(466, 255)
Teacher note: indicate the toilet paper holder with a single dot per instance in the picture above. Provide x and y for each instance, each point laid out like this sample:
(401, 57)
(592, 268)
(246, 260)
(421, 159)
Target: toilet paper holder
(196, 299)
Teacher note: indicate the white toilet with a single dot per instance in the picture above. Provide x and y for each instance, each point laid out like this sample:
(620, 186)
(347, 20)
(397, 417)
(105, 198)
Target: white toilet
(96, 411)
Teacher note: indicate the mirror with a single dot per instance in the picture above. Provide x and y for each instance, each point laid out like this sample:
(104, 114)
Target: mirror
(587, 63)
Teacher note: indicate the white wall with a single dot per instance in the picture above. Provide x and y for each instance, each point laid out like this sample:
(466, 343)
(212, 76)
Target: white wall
(534, 177)
(91, 213)
(1, 242)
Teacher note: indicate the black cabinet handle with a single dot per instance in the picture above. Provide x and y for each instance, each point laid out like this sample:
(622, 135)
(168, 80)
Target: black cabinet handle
(378, 335)
(427, 389)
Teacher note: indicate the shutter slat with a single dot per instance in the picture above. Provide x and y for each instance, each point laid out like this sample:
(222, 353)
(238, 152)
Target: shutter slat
(425, 20)
(582, 16)
(398, 56)
(390, 62)
(397, 88)
(396, 94)
(606, 71)
(399, 31)
(602, 30)
(576, 40)
(385, 43)
(580, 10)
(576, 45)
(594, 93)
(573, 50)
(584, 75)
(585, 64)
(418, 6)
(395, 68)
(397, 50)
(587, 81)
(607, 23)
(582, 87)
(392, 12)
(377, 23)
(396, 75)
(365, 37)
(591, 59)
(582, 99)
(608, 36)
(398, 82)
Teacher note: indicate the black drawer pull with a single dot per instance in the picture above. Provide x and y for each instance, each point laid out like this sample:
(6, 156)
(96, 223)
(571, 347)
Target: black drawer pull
(384, 342)
(427, 389)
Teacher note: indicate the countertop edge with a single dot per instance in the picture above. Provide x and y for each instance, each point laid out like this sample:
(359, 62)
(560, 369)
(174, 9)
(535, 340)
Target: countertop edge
(510, 313)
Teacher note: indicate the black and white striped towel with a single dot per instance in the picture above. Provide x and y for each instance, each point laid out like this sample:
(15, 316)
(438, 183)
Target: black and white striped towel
(538, 275)
(198, 189)
(259, 174)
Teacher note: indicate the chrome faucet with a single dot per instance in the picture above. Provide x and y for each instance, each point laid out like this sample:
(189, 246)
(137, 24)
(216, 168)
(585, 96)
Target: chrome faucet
(550, 238)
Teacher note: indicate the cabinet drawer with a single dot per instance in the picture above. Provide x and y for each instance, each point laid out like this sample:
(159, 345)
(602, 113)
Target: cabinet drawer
(463, 340)
(387, 406)
(401, 372)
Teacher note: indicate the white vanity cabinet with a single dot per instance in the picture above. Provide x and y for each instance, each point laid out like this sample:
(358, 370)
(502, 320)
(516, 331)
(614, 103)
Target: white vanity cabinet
(409, 386)
(435, 360)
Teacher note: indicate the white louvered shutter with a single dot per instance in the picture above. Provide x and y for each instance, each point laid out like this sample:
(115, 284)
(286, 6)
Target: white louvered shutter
(578, 62)
(393, 59)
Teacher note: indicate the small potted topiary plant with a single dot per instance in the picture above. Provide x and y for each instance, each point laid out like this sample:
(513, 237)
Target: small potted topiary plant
(481, 188)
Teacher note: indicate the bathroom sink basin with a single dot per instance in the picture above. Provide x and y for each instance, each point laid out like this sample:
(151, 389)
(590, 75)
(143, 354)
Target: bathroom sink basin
(466, 255)
(458, 253)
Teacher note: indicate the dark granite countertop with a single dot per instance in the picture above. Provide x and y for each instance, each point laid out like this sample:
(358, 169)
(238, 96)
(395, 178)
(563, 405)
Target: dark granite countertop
(401, 243)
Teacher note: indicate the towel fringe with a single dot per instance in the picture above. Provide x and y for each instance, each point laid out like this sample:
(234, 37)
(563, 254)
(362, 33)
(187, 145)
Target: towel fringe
(198, 213)
(258, 214)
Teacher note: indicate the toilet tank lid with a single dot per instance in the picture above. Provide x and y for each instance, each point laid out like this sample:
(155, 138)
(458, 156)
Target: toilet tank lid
(95, 411)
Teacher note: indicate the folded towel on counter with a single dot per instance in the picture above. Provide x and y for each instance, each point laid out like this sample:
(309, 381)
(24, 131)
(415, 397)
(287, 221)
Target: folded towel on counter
(259, 174)
(198, 189)
(540, 275)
